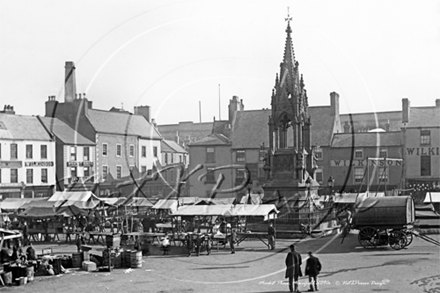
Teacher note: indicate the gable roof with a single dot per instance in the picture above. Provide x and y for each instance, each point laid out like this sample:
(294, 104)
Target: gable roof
(372, 120)
(22, 127)
(173, 146)
(322, 125)
(165, 148)
(250, 129)
(424, 117)
(122, 123)
(64, 132)
(212, 139)
(367, 139)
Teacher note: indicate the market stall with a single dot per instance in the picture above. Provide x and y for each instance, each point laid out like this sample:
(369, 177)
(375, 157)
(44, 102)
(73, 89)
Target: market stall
(265, 212)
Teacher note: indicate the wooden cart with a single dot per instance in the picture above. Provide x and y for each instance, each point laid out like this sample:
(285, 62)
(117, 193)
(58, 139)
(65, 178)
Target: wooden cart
(385, 221)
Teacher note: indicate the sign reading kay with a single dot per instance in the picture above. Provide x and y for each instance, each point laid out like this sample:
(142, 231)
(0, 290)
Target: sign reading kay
(79, 164)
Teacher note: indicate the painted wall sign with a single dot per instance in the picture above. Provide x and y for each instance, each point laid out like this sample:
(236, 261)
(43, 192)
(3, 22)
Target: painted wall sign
(423, 151)
(11, 164)
(79, 164)
(38, 164)
(363, 163)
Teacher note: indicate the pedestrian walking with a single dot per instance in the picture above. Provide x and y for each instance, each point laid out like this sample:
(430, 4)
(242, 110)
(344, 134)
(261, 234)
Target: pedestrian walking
(233, 240)
(293, 268)
(313, 267)
(25, 234)
(271, 235)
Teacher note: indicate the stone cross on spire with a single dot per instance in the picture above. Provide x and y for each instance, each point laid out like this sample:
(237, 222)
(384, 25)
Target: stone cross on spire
(288, 18)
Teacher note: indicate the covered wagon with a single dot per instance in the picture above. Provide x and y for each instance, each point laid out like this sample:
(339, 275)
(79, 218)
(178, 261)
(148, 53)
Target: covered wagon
(384, 220)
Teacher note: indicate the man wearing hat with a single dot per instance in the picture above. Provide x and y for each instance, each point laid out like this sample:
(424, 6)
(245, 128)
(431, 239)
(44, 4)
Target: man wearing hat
(313, 267)
(293, 268)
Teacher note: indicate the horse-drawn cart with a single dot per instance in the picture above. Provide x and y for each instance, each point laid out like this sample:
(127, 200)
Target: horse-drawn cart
(385, 221)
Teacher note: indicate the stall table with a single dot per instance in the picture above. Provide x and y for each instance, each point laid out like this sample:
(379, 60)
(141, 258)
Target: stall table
(262, 236)
(152, 236)
(221, 237)
(100, 237)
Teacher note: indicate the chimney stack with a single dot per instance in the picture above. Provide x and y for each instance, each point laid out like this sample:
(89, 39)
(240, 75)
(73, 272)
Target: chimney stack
(8, 109)
(144, 111)
(334, 104)
(437, 103)
(406, 107)
(69, 82)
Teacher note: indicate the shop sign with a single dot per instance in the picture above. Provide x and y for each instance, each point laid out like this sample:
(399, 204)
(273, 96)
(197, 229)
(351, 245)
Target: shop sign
(79, 164)
(364, 163)
(11, 184)
(11, 164)
(38, 164)
(9, 190)
(423, 151)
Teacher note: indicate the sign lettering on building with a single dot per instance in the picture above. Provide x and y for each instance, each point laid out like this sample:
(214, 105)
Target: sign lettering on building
(364, 163)
(11, 164)
(11, 184)
(423, 151)
(79, 164)
(38, 164)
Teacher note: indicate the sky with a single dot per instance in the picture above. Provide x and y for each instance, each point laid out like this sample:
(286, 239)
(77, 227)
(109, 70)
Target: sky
(176, 55)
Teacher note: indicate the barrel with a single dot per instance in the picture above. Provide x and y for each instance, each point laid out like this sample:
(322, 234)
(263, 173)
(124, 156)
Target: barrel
(126, 258)
(7, 277)
(118, 260)
(86, 256)
(30, 273)
(106, 257)
(136, 259)
(77, 259)
(113, 240)
(56, 263)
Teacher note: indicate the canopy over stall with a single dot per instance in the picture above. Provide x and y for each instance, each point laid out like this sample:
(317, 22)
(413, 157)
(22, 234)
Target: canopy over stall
(203, 210)
(265, 210)
(46, 209)
(188, 200)
(216, 201)
(166, 204)
(113, 201)
(79, 199)
(39, 209)
(432, 197)
(138, 202)
(15, 204)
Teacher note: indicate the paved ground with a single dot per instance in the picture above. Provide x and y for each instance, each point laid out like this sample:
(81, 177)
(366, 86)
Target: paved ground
(347, 267)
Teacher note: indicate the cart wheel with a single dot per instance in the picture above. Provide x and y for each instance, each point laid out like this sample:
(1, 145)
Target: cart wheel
(397, 240)
(409, 238)
(368, 237)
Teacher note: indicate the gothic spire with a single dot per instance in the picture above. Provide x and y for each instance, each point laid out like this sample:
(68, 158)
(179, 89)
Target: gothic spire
(289, 55)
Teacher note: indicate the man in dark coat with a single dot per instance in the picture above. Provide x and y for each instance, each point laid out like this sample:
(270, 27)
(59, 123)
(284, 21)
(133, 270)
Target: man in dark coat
(313, 267)
(271, 235)
(293, 268)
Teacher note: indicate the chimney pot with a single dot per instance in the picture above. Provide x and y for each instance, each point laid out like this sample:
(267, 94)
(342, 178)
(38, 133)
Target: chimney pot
(437, 103)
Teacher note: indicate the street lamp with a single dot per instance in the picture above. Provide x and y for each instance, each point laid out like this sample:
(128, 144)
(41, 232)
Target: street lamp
(331, 184)
(309, 202)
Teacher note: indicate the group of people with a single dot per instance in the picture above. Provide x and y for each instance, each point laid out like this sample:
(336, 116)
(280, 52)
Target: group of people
(293, 269)
(18, 253)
